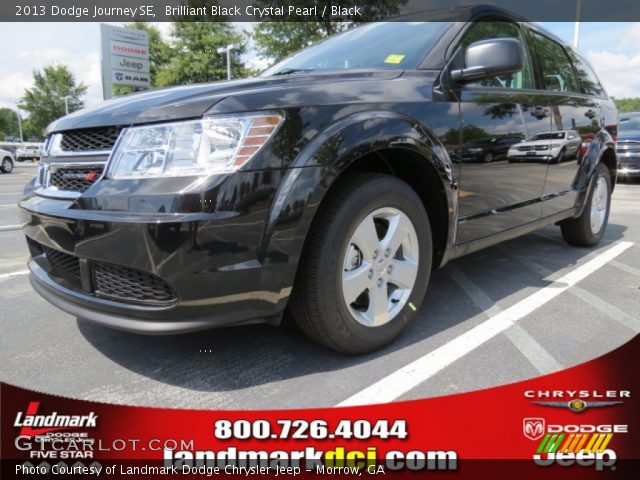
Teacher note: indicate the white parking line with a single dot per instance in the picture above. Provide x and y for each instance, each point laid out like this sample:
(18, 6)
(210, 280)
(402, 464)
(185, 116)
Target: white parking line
(13, 274)
(626, 268)
(7, 205)
(410, 376)
(535, 353)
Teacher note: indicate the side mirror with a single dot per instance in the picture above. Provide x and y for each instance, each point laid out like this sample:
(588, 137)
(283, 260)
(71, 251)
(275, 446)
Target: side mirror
(488, 58)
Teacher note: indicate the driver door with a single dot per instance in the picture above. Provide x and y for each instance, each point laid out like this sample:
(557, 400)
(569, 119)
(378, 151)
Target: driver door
(499, 194)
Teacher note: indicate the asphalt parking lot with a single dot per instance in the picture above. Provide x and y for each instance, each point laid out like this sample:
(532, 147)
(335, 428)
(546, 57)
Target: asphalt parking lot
(528, 307)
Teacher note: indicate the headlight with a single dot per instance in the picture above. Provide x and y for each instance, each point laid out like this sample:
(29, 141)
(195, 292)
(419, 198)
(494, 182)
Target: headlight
(209, 146)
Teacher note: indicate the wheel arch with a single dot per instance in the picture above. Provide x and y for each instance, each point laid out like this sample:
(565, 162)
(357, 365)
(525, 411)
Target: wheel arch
(601, 150)
(381, 142)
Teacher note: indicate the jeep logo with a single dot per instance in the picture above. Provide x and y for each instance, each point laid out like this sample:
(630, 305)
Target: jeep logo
(130, 64)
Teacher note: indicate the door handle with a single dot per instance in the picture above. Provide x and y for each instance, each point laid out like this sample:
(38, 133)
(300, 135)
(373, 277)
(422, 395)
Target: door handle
(590, 113)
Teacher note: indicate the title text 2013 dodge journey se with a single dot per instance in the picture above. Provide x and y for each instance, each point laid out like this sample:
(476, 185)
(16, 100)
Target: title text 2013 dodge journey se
(330, 185)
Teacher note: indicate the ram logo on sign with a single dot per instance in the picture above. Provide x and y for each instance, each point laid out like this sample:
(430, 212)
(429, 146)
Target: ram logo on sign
(533, 428)
(125, 58)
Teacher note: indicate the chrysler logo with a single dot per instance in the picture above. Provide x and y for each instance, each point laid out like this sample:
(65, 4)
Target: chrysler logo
(533, 428)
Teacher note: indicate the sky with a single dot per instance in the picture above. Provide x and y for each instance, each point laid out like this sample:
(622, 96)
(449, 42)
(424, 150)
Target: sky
(612, 48)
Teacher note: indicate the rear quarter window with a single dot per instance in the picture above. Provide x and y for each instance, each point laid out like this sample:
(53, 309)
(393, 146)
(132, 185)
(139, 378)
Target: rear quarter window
(589, 82)
(556, 70)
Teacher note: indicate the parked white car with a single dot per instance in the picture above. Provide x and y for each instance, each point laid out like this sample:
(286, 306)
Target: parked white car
(548, 146)
(6, 161)
(29, 151)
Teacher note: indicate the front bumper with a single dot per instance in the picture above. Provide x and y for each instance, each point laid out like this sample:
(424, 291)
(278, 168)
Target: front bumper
(629, 166)
(533, 155)
(231, 264)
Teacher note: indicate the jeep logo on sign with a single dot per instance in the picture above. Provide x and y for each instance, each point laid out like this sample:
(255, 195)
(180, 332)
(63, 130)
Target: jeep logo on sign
(124, 63)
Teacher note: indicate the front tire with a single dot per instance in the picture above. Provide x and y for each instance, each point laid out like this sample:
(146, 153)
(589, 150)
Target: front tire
(365, 266)
(7, 165)
(588, 229)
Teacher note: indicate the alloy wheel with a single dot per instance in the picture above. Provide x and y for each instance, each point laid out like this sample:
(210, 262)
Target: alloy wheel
(380, 267)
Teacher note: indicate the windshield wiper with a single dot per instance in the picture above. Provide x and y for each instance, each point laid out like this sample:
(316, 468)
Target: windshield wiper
(289, 71)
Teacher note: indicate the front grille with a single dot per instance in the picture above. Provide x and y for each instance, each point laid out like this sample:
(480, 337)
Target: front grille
(89, 139)
(75, 179)
(63, 265)
(630, 163)
(628, 147)
(529, 148)
(127, 284)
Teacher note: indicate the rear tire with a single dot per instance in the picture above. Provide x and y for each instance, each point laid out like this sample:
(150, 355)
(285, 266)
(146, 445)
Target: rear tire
(352, 240)
(588, 229)
(7, 165)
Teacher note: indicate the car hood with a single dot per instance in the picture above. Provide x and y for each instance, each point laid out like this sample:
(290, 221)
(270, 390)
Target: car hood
(191, 101)
(629, 136)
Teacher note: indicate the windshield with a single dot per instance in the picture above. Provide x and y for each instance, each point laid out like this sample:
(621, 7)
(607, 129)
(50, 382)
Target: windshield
(629, 124)
(548, 136)
(389, 45)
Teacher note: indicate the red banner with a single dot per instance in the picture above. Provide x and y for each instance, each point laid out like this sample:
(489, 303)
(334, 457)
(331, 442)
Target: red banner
(578, 423)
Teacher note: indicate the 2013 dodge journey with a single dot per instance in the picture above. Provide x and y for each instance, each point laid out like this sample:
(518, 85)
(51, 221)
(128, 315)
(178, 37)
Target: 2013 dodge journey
(331, 185)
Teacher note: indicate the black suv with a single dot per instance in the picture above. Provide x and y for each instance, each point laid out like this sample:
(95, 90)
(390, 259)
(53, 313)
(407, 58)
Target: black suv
(628, 145)
(328, 185)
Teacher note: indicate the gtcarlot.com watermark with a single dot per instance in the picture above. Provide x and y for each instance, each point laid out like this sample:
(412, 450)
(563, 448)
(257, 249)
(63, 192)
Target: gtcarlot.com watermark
(76, 445)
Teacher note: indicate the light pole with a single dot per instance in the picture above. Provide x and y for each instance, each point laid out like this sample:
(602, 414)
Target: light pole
(576, 27)
(227, 50)
(66, 104)
(19, 124)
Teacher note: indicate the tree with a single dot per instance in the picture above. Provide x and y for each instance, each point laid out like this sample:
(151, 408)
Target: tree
(8, 123)
(626, 105)
(278, 38)
(44, 102)
(195, 59)
(160, 54)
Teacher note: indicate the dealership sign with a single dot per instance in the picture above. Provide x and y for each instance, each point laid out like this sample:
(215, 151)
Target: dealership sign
(125, 58)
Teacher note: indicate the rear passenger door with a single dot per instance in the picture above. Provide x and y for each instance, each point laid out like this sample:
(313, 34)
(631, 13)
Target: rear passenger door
(497, 194)
(573, 112)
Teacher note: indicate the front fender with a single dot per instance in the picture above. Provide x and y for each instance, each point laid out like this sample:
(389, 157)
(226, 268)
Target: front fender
(326, 157)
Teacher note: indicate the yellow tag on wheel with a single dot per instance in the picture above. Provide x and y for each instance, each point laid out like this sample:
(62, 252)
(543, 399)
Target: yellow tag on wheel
(394, 58)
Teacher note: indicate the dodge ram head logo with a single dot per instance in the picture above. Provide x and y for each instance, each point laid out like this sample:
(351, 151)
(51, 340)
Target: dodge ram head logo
(533, 428)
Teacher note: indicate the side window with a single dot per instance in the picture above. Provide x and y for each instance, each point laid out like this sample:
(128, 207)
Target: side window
(485, 31)
(588, 81)
(556, 69)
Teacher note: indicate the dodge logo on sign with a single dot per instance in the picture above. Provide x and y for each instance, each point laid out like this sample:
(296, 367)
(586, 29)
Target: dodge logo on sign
(533, 428)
